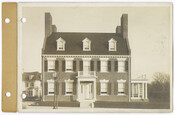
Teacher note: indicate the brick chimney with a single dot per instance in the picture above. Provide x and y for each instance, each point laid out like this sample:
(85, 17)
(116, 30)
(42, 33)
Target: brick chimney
(124, 26)
(49, 28)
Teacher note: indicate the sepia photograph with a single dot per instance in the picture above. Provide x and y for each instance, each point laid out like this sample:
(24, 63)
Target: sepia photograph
(95, 57)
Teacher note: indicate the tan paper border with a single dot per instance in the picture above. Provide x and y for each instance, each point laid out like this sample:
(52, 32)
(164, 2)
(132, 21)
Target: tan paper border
(9, 57)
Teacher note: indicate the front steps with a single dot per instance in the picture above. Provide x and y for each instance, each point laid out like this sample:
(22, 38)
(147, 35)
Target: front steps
(86, 104)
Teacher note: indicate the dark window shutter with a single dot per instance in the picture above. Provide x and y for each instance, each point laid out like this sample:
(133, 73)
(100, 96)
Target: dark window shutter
(57, 88)
(92, 65)
(74, 65)
(63, 65)
(98, 65)
(126, 65)
(115, 88)
(116, 65)
(45, 65)
(45, 88)
(126, 88)
(63, 88)
(98, 88)
(81, 65)
(109, 65)
(56, 65)
(74, 88)
(109, 88)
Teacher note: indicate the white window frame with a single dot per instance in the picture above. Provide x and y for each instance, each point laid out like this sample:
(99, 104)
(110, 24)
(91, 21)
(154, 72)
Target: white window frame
(69, 87)
(51, 85)
(103, 85)
(51, 64)
(104, 64)
(88, 48)
(62, 42)
(112, 42)
(69, 64)
(121, 64)
(121, 85)
(86, 63)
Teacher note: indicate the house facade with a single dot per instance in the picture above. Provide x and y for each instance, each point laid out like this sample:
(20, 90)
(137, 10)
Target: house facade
(86, 67)
(32, 85)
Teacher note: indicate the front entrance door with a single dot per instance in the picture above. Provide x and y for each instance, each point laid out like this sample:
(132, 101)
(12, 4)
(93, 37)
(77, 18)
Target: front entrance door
(86, 91)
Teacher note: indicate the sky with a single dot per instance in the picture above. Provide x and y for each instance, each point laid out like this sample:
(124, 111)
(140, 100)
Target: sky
(148, 33)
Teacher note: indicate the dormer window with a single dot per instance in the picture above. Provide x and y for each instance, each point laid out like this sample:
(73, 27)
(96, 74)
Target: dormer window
(86, 44)
(60, 44)
(112, 44)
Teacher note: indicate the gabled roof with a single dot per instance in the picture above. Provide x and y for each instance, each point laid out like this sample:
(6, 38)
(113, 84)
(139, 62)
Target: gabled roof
(74, 45)
(86, 39)
(36, 76)
(112, 40)
(60, 39)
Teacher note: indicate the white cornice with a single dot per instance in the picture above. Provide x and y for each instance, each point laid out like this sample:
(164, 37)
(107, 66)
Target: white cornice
(85, 56)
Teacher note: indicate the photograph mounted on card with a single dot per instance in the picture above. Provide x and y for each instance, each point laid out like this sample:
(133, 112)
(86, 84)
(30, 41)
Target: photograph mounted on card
(94, 57)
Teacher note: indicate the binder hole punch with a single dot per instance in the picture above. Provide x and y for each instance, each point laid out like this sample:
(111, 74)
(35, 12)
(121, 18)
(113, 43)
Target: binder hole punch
(23, 20)
(7, 20)
(7, 94)
(23, 96)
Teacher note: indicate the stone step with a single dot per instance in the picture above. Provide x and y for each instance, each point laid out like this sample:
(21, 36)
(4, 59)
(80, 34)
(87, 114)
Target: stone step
(86, 104)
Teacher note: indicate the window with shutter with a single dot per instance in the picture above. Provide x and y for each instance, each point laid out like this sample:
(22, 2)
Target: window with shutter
(51, 64)
(69, 64)
(104, 87)
(104, 64)
(50, 87)
(121, 87)
(86, 65)
(121, 64)
(69, 87)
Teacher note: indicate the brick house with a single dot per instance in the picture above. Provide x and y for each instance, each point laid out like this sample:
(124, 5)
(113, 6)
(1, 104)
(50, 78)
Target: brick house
(89, 66)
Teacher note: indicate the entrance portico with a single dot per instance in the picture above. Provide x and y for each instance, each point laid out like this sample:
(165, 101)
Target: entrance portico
(86, 88)
(139, 89)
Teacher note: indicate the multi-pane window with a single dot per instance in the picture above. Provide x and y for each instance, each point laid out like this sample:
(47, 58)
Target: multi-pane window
(60, 44)
(32, 84)
(104, 66)
(121, 64)
(86, 65)
(69, 65)
(30, 92)
(50, 87)
(86, 44)
(51, 65)
(112, 44)
(69, 87)
(121, 87)
(104, 88)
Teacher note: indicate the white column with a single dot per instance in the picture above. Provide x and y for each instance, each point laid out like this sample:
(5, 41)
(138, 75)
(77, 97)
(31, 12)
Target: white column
(143, 92)
(78, 90)
(94, 90)
(132, 89)
(138, 90)
(146, 91)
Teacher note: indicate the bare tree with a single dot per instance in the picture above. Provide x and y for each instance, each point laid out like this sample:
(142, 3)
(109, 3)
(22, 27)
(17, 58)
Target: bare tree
(160, 86)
